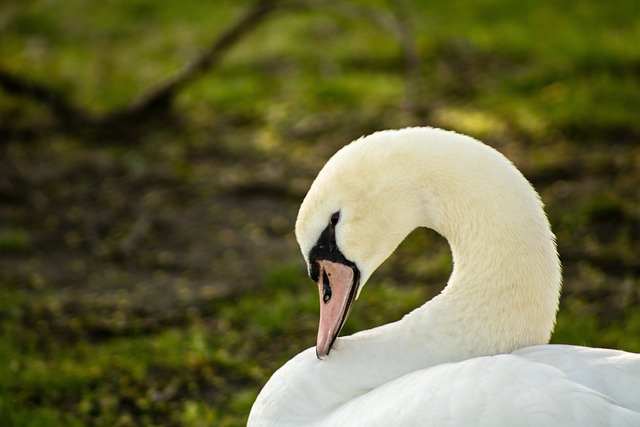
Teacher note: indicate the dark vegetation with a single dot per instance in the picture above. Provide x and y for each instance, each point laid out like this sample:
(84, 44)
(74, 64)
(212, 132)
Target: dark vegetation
(153, 155)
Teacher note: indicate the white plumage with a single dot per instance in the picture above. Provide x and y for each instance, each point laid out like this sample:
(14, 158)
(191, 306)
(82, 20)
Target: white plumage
(475, 355)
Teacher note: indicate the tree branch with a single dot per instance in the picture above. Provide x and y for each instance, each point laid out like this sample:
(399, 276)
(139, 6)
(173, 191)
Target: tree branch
(52, 98)
(159, 98)
(162, 95)
(156, 98)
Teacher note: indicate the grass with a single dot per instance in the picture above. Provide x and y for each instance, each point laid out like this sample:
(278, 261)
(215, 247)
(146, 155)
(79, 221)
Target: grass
(205, 372)
(552, 84)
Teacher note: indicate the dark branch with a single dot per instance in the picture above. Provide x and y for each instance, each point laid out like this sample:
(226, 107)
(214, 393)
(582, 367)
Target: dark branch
(52, 98)
(159, 98)
(162, 95)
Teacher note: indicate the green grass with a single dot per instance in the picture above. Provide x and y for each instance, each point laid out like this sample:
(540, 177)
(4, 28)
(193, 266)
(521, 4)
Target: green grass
(580, 328)
(206, 372)
(167, 377)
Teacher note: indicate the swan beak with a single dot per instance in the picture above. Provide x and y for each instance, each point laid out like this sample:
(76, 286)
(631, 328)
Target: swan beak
(337, 286)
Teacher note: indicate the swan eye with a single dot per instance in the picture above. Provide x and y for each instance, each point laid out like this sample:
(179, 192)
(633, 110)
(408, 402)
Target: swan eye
(334, 219)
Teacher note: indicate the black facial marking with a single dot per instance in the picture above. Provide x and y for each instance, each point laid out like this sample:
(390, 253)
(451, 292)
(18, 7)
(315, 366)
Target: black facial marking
(327, 249)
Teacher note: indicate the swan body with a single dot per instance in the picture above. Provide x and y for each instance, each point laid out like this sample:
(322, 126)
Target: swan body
(477, 353)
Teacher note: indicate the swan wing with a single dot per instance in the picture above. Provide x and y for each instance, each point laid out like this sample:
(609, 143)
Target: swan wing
(614, 373)
(504, 390)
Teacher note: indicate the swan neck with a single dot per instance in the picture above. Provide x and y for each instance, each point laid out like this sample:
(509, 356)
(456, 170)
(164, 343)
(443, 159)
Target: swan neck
(504, 289)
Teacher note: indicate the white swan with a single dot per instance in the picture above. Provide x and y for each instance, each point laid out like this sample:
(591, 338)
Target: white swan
(475, 355)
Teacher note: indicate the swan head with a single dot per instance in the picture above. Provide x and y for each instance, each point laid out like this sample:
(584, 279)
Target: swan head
(373, 192)
(356, 213)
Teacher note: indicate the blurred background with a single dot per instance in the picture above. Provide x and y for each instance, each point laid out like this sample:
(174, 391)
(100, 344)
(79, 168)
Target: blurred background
(153, 155)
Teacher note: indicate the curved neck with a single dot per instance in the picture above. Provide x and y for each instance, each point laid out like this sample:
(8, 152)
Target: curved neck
(502, 294)
(504, 289)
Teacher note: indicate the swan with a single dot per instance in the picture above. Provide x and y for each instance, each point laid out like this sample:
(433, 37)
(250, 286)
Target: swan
(477, 354)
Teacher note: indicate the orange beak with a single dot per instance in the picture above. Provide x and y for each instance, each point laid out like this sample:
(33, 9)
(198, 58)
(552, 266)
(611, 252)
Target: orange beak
(337, 287)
